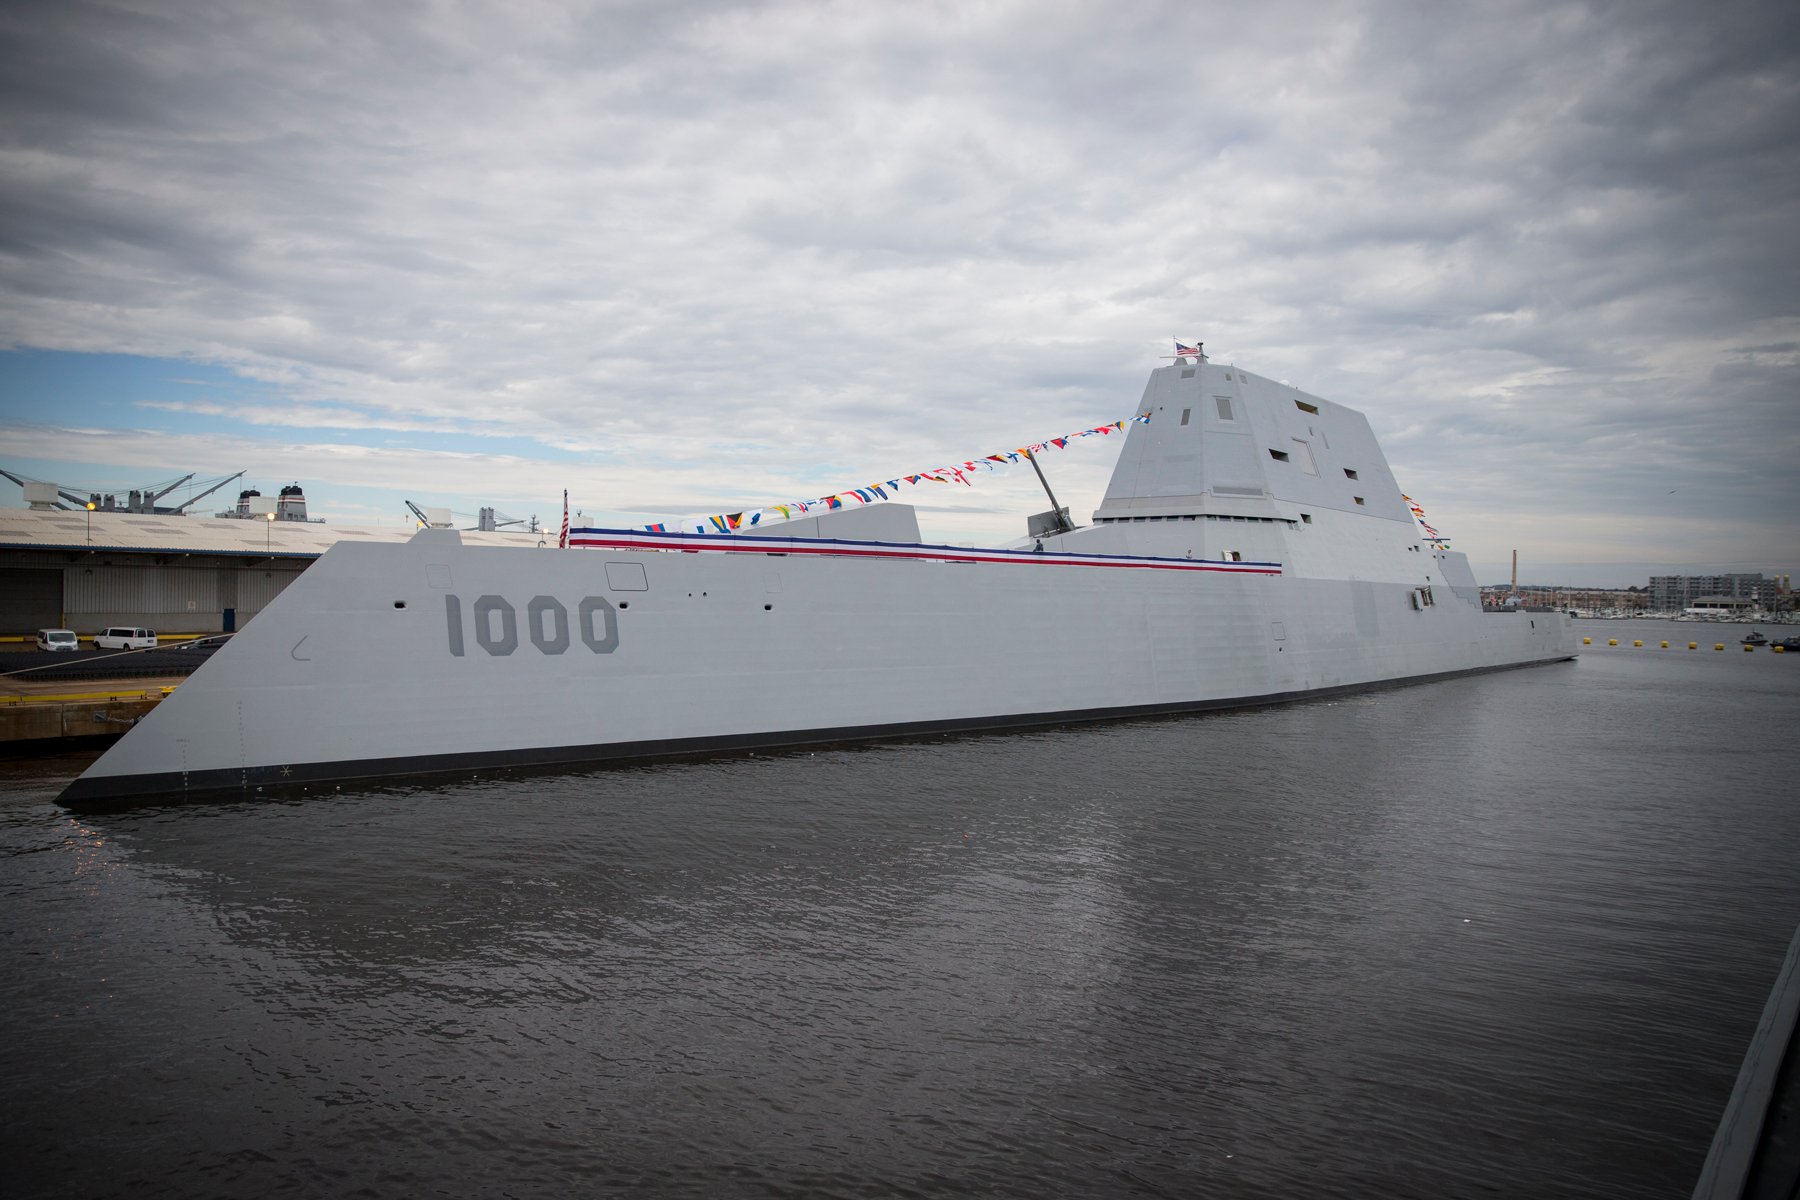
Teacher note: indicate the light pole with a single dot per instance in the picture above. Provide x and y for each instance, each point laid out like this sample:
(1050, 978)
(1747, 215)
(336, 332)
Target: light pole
(266, 532)
(90, 522)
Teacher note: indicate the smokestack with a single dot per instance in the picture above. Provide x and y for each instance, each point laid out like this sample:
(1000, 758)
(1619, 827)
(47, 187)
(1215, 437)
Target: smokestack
(291, 506)
(1515, 590)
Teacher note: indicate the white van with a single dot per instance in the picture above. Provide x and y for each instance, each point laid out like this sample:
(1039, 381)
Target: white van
(57, 639)
(120, 637)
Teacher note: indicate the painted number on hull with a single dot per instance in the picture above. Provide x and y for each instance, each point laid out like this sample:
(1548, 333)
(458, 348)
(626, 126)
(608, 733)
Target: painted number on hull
(496, 624)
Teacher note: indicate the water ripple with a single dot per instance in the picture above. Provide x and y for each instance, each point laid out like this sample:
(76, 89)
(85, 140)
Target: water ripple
(1497, 936)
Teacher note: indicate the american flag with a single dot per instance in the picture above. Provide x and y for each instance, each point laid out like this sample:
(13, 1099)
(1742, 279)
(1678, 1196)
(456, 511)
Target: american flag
(562, 543)
(1181, 350)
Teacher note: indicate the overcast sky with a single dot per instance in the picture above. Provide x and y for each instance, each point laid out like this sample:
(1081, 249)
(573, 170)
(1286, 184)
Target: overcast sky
(684, 257)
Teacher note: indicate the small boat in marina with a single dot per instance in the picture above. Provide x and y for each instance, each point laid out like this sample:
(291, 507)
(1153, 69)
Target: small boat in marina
(1756, 638)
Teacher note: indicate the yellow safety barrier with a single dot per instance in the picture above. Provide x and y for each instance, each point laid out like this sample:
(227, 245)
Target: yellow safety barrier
(160, 693)
(1778, 649)
(1638, 642)
(1747, 649)
(1665, 645)
(1718, 645)
(1612, 641)
(1587, 641)
(1693, 645)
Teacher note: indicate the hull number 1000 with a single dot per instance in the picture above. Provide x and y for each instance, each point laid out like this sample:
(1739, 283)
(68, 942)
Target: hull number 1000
(496, 625)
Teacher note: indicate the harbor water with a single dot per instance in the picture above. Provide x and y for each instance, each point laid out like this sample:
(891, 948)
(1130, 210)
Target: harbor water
(1503, 935)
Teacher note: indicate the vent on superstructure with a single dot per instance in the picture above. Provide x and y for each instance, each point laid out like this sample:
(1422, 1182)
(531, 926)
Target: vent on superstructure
(1303, 406)
(1188, 374)
(1185, 414)
(1223, 489)
(1349, 474)
(1278, 455)
(1358, 499)
(1224, 403)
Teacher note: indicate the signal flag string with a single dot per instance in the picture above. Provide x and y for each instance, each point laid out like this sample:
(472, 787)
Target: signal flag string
(870, 493)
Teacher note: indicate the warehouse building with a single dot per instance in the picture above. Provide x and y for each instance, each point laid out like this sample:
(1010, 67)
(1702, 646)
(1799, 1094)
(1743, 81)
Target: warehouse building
(87, 570)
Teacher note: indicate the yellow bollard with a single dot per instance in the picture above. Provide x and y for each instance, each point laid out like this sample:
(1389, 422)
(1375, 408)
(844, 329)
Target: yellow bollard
(1638, 642)
(1777, 649)
(1665, 645)
(1693, 645)
(1587, 641)
(1719, 646)
(1748, 649)
(1612, 641)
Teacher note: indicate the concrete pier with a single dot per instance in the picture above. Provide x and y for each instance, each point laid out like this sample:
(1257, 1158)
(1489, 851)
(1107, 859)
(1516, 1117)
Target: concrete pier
(47, 715)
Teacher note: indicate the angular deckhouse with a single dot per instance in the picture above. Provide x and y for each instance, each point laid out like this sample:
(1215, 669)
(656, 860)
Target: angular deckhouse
(1268, 472)
(1253, 546)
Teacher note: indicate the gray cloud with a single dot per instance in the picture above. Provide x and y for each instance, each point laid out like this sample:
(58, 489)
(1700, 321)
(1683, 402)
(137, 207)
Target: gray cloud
(1546, 246)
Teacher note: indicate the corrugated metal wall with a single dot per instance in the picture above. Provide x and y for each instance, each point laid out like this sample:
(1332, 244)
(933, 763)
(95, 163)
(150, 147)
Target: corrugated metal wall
(139, 590)
(162, 591)
(256, 588)
(30, 598)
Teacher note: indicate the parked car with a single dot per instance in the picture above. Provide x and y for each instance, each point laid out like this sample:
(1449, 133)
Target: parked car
(121, 637)
(57, 639)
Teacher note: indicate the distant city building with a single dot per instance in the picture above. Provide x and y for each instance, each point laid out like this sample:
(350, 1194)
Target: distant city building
(1700, 595)
(1568, 598)
(1674, 593)
(1727, 605)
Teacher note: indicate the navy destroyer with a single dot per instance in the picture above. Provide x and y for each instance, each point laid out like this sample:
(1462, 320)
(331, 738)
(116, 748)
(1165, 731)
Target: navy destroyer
(1252, 546)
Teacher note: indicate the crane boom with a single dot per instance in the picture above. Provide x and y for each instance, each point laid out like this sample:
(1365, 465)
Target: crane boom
(170, 488)
(209, 491)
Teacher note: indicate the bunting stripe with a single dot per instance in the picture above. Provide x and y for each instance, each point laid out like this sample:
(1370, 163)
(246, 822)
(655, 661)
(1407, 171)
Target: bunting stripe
(870, 493)
(632, 539)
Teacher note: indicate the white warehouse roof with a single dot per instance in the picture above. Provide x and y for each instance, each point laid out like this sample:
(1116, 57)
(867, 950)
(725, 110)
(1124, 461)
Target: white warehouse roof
(25, 529)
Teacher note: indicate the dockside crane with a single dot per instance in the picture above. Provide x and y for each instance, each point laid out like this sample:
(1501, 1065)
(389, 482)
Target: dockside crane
(203, 495)
(71, 497)
(139, 500)
(488, 521)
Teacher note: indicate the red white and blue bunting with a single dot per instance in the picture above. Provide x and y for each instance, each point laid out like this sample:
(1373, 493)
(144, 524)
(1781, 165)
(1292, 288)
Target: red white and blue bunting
(872, 493)
(766, 543)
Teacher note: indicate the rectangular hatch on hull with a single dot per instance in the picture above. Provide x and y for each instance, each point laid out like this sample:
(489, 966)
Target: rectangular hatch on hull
(626, 577)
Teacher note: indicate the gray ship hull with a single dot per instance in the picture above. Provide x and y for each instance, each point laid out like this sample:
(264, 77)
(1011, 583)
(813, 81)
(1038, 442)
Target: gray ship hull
(433, 656)
(436, 656)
